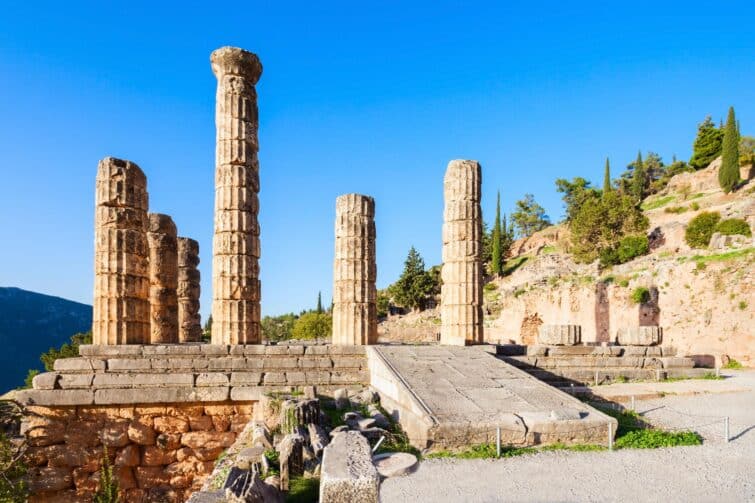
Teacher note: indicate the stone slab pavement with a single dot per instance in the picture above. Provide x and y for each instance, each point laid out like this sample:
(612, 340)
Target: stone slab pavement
(715, 471)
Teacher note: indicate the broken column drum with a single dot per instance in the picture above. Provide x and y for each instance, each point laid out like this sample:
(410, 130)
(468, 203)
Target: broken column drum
(163, 279)
(236, 243)
(121, 255)
(189, 326)
(354, 272)
(461, 292)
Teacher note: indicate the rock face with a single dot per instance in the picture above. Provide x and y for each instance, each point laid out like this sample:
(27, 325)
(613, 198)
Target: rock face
(163, 279)
(720, 241)
(189, 326)
(236, 244)
(560, 335)
(348, 474)
(354, 272)
(461, 293)
(121, 255)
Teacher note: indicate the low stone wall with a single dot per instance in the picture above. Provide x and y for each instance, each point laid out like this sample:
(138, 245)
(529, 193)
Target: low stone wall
(158, 452)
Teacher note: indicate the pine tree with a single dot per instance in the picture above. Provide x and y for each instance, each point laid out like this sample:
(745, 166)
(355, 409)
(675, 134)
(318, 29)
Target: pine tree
(728, 175)
(607, 178)
(707, 144)
(638, 178)
(415, 284)
(319, 302)
(496, 259)
(529, 217)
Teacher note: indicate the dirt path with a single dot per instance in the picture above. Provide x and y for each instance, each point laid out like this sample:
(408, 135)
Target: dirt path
(715, 471)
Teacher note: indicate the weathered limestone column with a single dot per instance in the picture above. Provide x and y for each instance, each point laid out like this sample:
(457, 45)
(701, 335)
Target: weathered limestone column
(355, 272)
(121, 255)
(189, 327)
(163, 279)
(461, 293)
(236, 244)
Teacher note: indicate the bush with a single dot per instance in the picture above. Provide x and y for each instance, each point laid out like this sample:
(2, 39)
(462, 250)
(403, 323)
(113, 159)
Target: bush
(701, 228)
(312, 325)
(628, 248)
(732, 226)
(640, 295)
(695, 206)
(12, 471)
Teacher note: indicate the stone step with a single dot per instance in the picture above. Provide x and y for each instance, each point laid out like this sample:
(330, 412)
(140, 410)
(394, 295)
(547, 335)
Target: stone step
(567, 378)
(600, 362)
(584, 350)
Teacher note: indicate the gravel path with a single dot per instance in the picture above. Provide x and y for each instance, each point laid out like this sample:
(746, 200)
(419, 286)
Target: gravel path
(715, 471)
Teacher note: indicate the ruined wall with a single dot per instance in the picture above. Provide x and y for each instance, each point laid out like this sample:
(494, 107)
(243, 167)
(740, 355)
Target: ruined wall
(160, 452)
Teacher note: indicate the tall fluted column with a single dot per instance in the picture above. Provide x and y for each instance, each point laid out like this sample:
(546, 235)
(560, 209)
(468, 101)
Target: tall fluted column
(355, 272)
(236, 244)
(461, 293)
(189, 327)
(163, 279)
(121, 255)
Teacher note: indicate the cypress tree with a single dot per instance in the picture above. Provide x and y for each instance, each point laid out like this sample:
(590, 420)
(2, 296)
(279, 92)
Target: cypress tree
(607, 178)
(638, 178)
(496, 255)
(728, 175)
(319, 302)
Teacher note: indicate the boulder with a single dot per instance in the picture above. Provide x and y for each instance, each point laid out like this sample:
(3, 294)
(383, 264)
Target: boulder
(347, 473)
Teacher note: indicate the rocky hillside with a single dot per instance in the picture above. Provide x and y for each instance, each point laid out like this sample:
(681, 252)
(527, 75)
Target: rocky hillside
(703, 299)
(31, 323)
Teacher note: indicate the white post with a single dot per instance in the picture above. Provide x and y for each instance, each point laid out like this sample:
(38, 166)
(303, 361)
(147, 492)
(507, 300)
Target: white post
(726, 429)
(610, 436)
(498, 441)
(718, 371)
(633, 406)
(596, 378)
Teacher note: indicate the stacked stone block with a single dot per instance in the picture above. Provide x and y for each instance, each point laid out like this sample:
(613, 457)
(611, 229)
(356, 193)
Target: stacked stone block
(560, 335)
(639, 336)
(163, 279)
(354, 272)
(236, 245)
(121, 308)
(461, 293)
(189, 326)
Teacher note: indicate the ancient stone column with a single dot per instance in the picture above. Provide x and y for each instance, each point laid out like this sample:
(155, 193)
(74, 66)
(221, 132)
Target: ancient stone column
(355, 272)
(163, 279)
(121, 255)
(236, 244)
(189, 326)
(461, 293)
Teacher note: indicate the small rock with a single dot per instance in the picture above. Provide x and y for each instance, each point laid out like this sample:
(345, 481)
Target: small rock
(366, 397)
(373, 433)
(394, 464)
(365, 424)
(341, 397)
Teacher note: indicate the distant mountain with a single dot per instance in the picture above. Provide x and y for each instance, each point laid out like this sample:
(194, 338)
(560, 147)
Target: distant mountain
(30, 324)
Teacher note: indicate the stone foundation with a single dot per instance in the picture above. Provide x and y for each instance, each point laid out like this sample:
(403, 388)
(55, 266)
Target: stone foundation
(158, 452)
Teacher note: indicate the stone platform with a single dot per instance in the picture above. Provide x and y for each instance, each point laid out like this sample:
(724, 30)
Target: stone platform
(451, 397)
(567, 366)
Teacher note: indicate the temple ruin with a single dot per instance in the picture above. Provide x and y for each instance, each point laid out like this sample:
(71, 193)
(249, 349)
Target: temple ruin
(188, 290)
(163, 279)
(236, 243)
(355, 272)
(461, 293)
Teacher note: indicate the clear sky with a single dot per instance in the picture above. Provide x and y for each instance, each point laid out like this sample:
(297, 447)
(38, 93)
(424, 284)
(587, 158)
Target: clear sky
(369, 97)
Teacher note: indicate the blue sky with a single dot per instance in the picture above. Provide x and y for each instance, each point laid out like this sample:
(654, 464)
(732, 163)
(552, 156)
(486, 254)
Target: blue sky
(362, 97)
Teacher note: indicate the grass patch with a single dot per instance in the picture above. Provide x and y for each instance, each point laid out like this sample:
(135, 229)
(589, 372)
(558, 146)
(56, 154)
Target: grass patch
(654, 439)
(396, 440)
(676, 209)
(490, 287)
(723, 257)
(303, 490)
(653, 204)
(514, 264)
(733, 365)
(548, 250)
(488, 451)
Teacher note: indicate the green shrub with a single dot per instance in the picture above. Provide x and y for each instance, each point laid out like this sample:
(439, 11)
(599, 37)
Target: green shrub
(312, 325)
(733, 365)
(701, 228)
(629, 247)
(654, 439)
(624, 283)
(695, 206)
(489, 287)
(12, 471)
(640, 295)
(742, 305)
(30, 377)
(107, 492)
(676, 209)
(732, 226)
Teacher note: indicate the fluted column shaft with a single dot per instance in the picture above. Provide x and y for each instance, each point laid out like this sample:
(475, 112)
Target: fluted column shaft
(461, 293)
(189, 327)
(236, 244)
(355, 272)
(121, 255)
(163, 279)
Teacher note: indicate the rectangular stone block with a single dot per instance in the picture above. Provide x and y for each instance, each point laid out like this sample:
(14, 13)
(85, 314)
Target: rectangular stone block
(56, 397)
(639, 336)
(142, 380)
(347, 471)
(317, 350)
(160, 395)
(346, 350)
(46, 380)
(211, 379)
(75, 381)
(274, 378)
(276, 350)
(295, 378)
(116, 364)
(315, 362)
(214, 349)
(79, 364)
(245, 378)
(560, 335)
(350, 377)
(246, 393)
(114, 350)
(171, 349)
(317, 377)
(280, 363)
(677, 362)
(341, 362)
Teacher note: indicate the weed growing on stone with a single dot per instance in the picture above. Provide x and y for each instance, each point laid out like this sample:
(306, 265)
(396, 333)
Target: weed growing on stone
(733, 365)
(303, 490)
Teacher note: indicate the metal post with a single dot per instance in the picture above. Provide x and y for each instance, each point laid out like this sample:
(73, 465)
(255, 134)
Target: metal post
(610, 436)
(378, 444)
(498, 441)
(726, 429)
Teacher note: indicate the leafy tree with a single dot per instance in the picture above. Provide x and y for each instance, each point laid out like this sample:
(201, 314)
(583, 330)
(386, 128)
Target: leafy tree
(487, 243)
(607, 178)
(529, 217)
(628, 248)
(319, 302)
(639, 179)
(12, 472)
(728, 175)
(415, 284)
(67, 350)
(707, 144)
(383, 304)
(313, 325)
(574, 194)
(746, 150)
(496, 257)
(601, 222)
(700, 229)
(277, 328)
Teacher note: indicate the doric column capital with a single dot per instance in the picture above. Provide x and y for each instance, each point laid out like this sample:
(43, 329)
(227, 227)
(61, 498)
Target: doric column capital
(235, 61)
